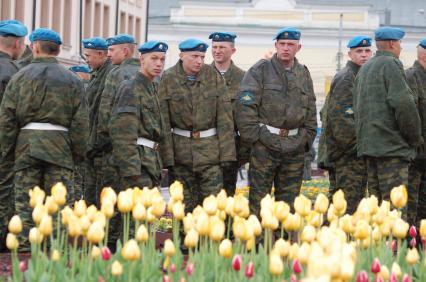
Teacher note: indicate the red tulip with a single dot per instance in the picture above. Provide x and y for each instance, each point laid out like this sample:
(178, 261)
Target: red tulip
(166, 278)
(394, 246)
(413, 231)
(106, 253)
(393, 278)
(293, 278)
(249, 270)
(406, 278)
(413, 242)
(173, 268)
(101, 279)
(297, 267)
(23, 266)
(362, 276)
(375, 266)
(190, 268)
(236, 262)
(378, 279)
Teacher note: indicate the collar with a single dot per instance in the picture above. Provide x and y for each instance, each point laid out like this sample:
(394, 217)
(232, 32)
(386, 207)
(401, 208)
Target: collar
(385, 53)
(45, 60)
(183, 77)
(354, 67)
(419, 66)
(5, 55)
(130, 61)
(279, 66)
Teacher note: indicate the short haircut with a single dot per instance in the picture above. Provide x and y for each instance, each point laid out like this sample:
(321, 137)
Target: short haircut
(9, 41)
(49, 48)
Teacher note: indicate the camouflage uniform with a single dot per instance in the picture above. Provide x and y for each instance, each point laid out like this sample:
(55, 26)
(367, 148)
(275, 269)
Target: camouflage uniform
(25, 58)
(196, 105)
(233, 77)
(351, 173)
(387, 123)
(42, 94)
(416, 78)
(7, 70)
(283, 99)
(137, 114)
(93, 175)
(323, 160)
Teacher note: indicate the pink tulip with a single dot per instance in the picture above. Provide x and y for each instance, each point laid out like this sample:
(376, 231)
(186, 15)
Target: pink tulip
(190, 268)
(236, 262)
(413, 242)
(297, 267)
(23, 266)
(413, 231)
(406, 278)
(166, 278)
(393, 278)
(362, 276)
(249, 270)
(173, 268)
(293, 278)
(106, 253)
(375, 266)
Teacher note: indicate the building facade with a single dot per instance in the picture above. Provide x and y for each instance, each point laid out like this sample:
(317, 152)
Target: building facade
(78, 19)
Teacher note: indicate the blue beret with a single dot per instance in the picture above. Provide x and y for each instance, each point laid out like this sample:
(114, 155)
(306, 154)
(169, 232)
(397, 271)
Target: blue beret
(12, 28)
(97, 43)
(45, 34)
(359, 41)
(193, 45)
(389, 33)
(290, 33)
(121, 39)
(423, 43)
(80, 68)
(223, 36)
(153, 46)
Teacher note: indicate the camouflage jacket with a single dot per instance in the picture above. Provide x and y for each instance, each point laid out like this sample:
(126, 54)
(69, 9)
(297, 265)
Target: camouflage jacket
(340, 138)
(322, 160)
(25, 58)
(196, 105)
(7, 69)
(93, 93)
(137, 114)
(416, 78)
(44, 92)
(387, 123)
(233, 77)
(281, 98)
(126, 70)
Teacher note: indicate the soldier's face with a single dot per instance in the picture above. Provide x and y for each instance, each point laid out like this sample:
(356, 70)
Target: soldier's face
(421, 54)
(192, 61)
(360, 55)
(95, 58)
(152, 64)
(222, 51)
(287, 49)
(117, 53)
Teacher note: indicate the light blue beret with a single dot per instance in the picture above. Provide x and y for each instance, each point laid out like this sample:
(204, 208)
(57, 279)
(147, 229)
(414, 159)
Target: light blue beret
(12, 28)
(97, 43)
(153, 46)
(80, 68)
(121, 39)
(423, 43)
(359, 41)
(388, 33)
(223, 36)
(193, 45)
(290, 33)
(45, 34)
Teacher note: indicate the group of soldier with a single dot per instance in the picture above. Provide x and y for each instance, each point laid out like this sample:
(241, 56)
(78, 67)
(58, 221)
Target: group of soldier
(201, 122)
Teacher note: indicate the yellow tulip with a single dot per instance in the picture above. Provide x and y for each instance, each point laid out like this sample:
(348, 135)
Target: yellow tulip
(362, 230)
(384, 272)
(293, 222)
(59, 193)
(240, 205)
(422, 229)
(107, 208)
(131, 251)
(179, 211)
(84, 223)
(412, 256)
(66, 214)
(270, 222)
(250, 243)
(36, 196)
(321, 203)
(191, 239)
(377, 236)
(293, 251)
(221, 200)
(142, 234)
(51, 205)
(11, 241)
(396, 269)
(255, 225)
(331, 214)
(38, 213)
(125, 201)
(346, 224)
(282, 247)
(96, 252)
(281, 210)
(217, 229)
(276, 265)
(400, 229)
(315, 219)
(74, 228)
(266, 202)
(101, 218)
(91, 212)
(210, 205)
(158, 206)
(137, 196)
(149, 216)
(373, 204)
(202, 224)
(139, 212)
(176, 191)
(95, 233)
(225, 248)
(399, 196)
(169, 248)
(56, 256)
(188, 222)
(35, 236)
(347, 269)
(385, 227)
(339, 203)
(80, 208)
(302, 205)
(304, 252)
(15, 225)
(46, 225)
(308, 234)
(108, 193)
(116, 268)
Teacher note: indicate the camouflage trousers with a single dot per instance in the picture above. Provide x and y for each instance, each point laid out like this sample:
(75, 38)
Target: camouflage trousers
(230, 177)
(45, 175)
(385, 173)
(198, 183)
(143, 180)
(416, 193)
(92, 179)
(6, 197)
(285, 171)
(331, 171)
(351, 177)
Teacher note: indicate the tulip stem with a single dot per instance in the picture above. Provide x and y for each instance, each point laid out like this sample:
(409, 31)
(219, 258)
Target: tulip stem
(58, 227)
(106, 232)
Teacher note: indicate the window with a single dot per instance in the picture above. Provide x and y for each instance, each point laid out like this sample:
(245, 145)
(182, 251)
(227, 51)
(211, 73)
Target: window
(44, 16)
(5, 9)
(97, 19)
(130, 25)
(56, 16)
(105, 23)
(122, 22)
(19, 10)
(138, 30)
(87, 18)
(66, 33)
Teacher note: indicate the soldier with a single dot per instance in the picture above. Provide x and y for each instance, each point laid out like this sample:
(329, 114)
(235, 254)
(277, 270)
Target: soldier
(12, 45)
(277, 115)
(25, 59)
(43, 116)
(137, 124)
(351, 173)
(199, 129)
(223, 47)
(387, 123)
(96, 51)
(83, 71)
(416, 78)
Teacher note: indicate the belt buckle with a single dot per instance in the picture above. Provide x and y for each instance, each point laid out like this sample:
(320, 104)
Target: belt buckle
(195, 134)
(283, 132)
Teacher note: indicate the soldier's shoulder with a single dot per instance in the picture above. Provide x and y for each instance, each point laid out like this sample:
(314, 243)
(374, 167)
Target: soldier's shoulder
(260, 64)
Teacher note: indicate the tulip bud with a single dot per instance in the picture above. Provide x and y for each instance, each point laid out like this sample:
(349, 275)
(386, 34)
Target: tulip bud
(96, 233)
(59, 193)
(125, 201)
(384, 273)
(202, 224)
(35, 236)
(190, 269)
(293, 278)
(236, 262)
(11, 241)
(46, 225)
(23, 266)
(362, 276)
(173, 268)
(413, 231)
(393, 278)
(396, 269)
(176, 191)
(96, 252)
(108, 193)
(169, 248)
(399, 196)
(412, 256)
(178, 211)
(191, 239)
(282, 247)
(116, 268)
(74, 227)
(36, 196)
(362, 230)
(375, 266)
(107, 208)
(400, 228)
(80, 208)
(131, 251)
(276, 265)
(321, 203)
(210, 205)
(142, 234)
(106, 253)
(158, 206)
(249, 272)
(38, 212)
(255, 225)
(15, 225)
(297, 267)
(281, 210)
(308, 234)
(221, 200)
(413, 242)
(139, 212)
(406, 278)
(302, 205)
(225, 248)
(423, 228)
(339, 202)
(56, 256)
(166, 278)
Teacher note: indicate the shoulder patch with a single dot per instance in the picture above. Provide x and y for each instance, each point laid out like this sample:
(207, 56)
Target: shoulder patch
(349, 111)
(247, 98)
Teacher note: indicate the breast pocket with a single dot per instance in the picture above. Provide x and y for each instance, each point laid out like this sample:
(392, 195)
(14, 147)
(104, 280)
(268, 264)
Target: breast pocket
(298, 107)
(208, 109)
(272, 100)
(176, 104)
